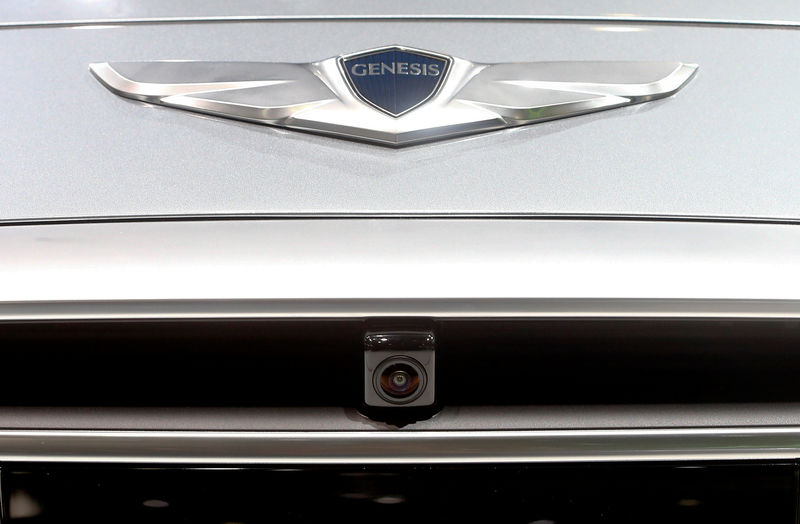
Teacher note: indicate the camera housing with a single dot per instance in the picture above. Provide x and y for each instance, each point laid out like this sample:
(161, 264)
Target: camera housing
(399, 369)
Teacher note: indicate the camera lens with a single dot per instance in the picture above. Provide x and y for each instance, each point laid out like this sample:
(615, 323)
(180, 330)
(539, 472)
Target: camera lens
(400, 379)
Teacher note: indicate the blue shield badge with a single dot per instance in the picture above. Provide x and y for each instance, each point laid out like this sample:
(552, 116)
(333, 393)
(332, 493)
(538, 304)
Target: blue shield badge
(395, 80)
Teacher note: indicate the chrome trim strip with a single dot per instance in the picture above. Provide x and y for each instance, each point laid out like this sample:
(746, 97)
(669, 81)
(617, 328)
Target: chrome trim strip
(449, 419)
(102, 219)
(767, 24)
(453, 308)
(400, 447)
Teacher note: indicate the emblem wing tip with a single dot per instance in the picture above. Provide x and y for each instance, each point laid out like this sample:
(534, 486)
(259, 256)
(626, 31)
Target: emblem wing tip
(536, 91)
(112, 80)
(97, 70)
(668, 85)
(691, 69)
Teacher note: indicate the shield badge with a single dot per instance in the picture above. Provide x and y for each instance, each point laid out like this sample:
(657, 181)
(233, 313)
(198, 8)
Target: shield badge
(395, 79)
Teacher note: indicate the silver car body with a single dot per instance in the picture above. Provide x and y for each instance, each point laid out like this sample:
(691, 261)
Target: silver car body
(684, 207)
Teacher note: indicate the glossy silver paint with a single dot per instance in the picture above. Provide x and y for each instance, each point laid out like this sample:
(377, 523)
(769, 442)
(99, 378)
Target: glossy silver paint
(99, 155)
(435, 17)
(400, 447)
(317, 97)
(362, 267)
(109, 11)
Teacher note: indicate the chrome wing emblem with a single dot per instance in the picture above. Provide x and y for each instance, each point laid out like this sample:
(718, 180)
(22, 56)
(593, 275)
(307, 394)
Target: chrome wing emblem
(382, 95)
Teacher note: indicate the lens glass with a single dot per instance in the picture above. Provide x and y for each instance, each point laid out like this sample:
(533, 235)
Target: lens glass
(399, 380)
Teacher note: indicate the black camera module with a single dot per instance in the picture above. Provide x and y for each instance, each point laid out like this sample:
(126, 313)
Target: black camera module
(399, 369)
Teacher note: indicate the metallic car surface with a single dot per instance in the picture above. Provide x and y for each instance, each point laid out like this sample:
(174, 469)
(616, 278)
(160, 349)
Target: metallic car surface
(454, 418)
(724, 146)
(356, 267)
(420, 447)
(682, 208)
(66, 10)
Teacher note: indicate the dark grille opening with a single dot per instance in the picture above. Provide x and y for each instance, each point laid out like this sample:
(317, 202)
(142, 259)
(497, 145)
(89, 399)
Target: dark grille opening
(572, 494)
(619, 362)
(319, 362)
(190, 363)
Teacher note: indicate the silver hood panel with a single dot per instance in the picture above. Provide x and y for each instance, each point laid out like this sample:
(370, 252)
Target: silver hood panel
(70, 10)
(726, 146)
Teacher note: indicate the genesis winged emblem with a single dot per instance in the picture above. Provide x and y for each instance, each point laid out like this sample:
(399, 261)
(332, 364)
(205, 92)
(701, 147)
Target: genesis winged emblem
(394, 96)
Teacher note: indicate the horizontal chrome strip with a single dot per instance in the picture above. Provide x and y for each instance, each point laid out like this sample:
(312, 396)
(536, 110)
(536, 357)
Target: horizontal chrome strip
(119, 219)
(778, 24)
(361, 267)
(429, 308)
(393, 447)
(449, 419)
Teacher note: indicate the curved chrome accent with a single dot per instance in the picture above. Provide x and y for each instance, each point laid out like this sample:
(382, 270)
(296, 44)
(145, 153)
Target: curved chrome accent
(400, 447)
(145, 91)
(727, 22)
(471, 98)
